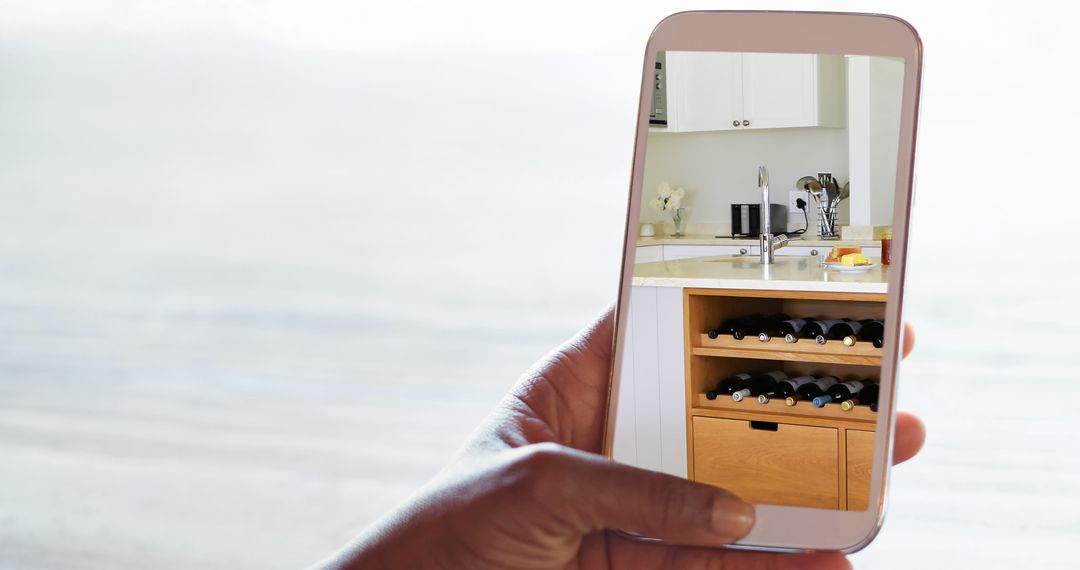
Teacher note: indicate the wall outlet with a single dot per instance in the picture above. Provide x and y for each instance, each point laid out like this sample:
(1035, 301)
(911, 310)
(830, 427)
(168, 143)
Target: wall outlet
(794, 195)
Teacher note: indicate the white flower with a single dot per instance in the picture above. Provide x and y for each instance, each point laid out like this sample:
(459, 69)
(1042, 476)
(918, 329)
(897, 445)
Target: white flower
(664, 190)
(657, 204)
(679, 193)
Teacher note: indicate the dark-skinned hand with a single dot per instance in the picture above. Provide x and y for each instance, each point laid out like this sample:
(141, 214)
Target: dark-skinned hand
(529, 491)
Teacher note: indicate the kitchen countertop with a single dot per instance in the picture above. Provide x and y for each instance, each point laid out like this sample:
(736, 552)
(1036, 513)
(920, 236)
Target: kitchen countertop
(741, 272)
(704, 239)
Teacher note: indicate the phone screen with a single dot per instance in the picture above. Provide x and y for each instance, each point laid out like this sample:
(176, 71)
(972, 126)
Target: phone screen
(756, 323)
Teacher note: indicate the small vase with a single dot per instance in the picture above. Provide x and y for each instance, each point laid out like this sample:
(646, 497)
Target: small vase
(677, 217)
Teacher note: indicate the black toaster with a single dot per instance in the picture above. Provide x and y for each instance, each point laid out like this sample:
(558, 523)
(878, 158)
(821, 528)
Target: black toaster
(746, 219)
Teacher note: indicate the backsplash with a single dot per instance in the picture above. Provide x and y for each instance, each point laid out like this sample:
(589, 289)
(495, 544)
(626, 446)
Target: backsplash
(720, 168)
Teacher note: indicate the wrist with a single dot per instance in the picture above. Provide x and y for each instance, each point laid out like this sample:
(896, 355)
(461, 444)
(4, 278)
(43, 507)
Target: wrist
(370, 550)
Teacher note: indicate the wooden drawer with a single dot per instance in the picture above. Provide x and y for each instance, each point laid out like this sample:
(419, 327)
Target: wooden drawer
(794, 465)
(860, 458)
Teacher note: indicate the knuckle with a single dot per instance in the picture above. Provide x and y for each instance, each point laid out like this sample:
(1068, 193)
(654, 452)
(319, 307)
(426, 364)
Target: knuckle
(539, 469)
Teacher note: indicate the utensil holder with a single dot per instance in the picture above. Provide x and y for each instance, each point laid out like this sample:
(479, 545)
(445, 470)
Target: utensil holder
(827, 224)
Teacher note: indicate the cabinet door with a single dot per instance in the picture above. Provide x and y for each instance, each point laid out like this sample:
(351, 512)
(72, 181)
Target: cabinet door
(673, 252)
(802, 251)
(792, 90)
(648, 253)
(822, 251)
(705, 88)
(793, 465)
(860, 458)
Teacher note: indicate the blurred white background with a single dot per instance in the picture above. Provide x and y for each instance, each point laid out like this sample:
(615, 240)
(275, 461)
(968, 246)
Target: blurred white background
(265, 265)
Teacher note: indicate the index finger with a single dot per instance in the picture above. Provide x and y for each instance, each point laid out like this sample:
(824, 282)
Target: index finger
(909, 341)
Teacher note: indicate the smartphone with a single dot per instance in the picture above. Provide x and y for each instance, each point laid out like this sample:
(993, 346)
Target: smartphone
(760, 316)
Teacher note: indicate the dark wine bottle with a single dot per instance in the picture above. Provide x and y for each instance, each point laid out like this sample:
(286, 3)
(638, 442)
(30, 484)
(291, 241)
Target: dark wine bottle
(770, 326)
(856, 333)
(820, 331)
(868, 396)
(792, 328)
(728, 385)
(784, 388)
(751, 326)
(735, 327)
(725, 327)
(873, 331)
(845, 332)
(838, 393)
(811, 390)
(759, 384)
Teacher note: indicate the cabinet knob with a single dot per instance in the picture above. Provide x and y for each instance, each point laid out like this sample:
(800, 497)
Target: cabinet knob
(735, 123)
(742, 251)
(745, 123)
(813, 252)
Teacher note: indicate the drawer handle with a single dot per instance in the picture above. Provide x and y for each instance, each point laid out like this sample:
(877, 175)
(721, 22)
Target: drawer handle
(766, 426)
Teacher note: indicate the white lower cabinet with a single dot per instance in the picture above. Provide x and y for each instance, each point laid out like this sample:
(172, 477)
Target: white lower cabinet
(820, 250)
(802, 251)
(673, 252)
(650, 253)
(650, 419)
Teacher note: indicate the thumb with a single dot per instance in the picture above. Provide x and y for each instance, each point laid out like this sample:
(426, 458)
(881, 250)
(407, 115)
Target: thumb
(591, 492)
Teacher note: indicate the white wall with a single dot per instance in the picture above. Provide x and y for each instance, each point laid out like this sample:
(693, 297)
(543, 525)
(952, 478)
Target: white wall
(720, 168)
(875, 87)
(886, 89)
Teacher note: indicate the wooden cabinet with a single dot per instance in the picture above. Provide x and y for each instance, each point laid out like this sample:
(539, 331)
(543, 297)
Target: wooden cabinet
(774, 453)
(768, 462)
(721, 91)
(859, 460)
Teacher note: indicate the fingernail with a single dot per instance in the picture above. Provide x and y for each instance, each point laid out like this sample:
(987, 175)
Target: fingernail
(732, 517)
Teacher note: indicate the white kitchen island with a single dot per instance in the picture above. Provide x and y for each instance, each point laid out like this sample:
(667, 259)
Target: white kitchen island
(651, 426)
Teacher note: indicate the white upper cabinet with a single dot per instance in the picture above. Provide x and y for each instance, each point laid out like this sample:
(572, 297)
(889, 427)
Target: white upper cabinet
(701, 90)
(719, 91)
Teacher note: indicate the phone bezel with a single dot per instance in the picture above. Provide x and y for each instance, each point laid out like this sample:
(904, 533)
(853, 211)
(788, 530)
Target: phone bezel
(781, 528)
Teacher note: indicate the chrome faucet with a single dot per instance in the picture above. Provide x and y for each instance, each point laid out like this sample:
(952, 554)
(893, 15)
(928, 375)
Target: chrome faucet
(769, 243)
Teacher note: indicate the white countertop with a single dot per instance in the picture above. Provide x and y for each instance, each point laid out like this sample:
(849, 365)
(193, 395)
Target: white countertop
(713, 240)
(746, 272)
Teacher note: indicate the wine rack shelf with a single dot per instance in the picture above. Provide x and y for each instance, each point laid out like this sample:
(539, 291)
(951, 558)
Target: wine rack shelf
(805, 350)
(751, 448)
(802, 413)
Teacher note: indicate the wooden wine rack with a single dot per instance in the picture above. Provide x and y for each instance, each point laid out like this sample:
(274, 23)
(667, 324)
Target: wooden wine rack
(804, 413)
(805, 350)
(754, 449)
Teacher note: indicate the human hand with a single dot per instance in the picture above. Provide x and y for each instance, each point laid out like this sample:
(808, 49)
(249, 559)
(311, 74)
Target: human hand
(529, 491)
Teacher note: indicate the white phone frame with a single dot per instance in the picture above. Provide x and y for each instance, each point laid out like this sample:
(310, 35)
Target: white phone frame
(782, 528)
